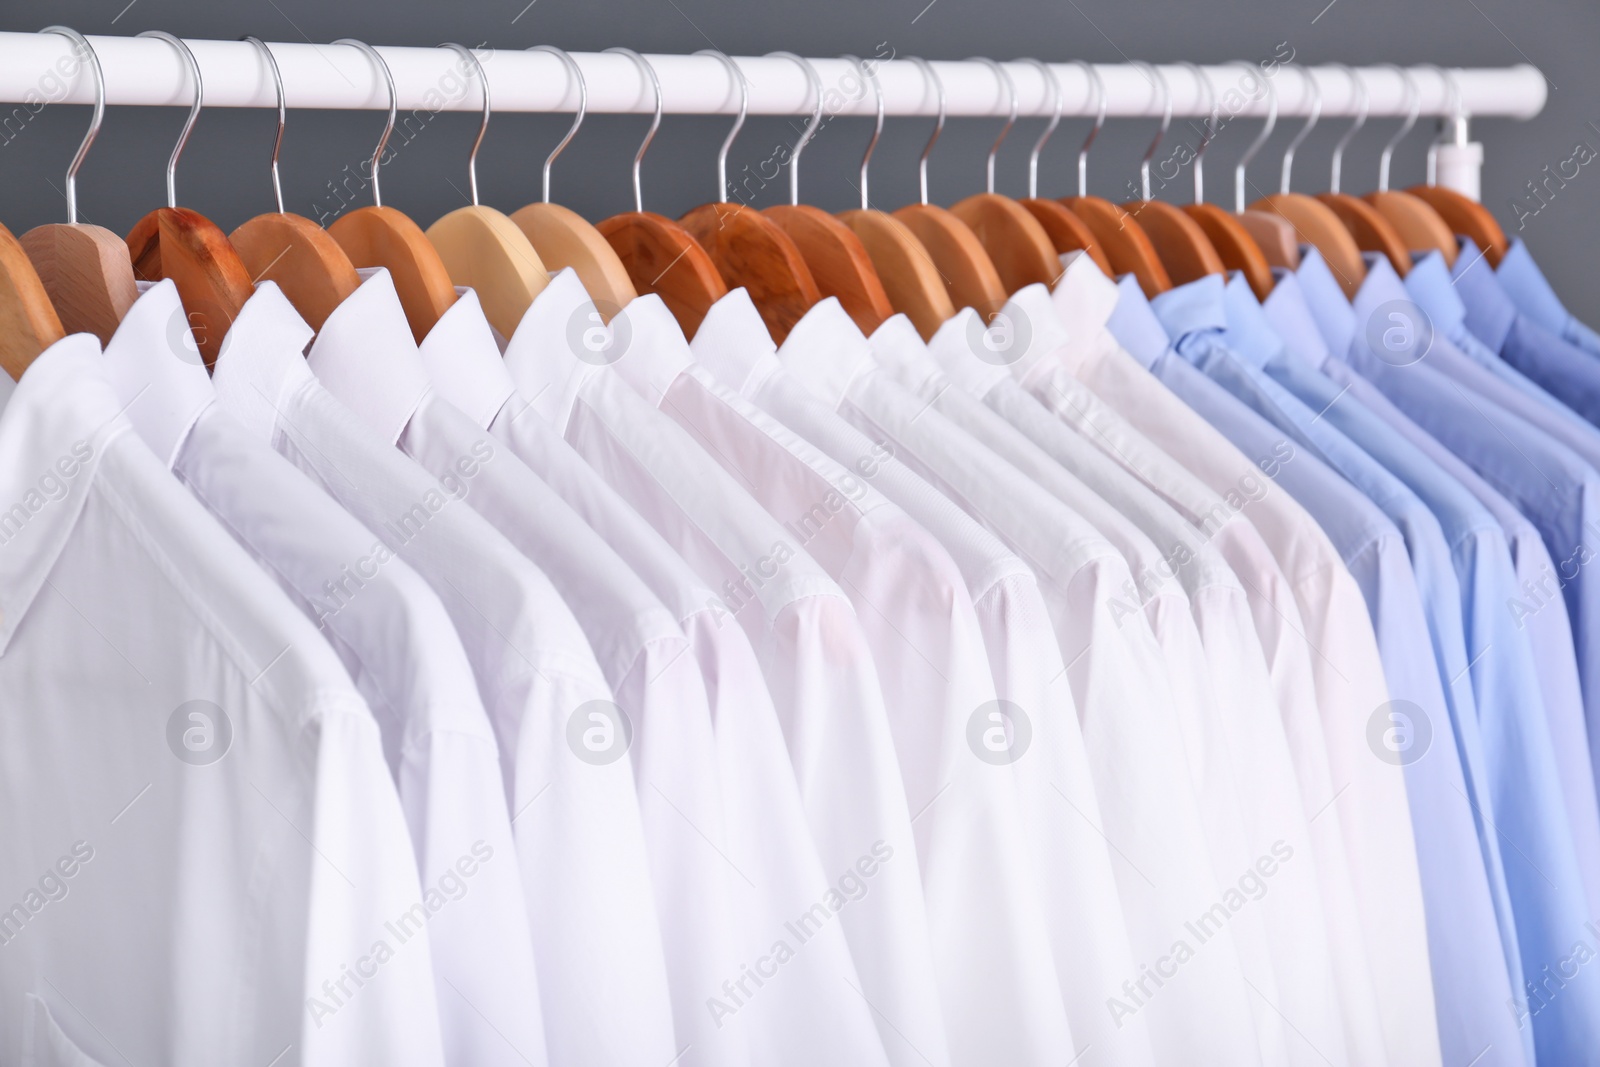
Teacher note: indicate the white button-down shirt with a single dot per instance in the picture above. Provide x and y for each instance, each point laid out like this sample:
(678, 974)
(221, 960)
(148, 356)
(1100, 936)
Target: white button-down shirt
(1119, 683)
(1084, 914)
(400, 649)
(197, 813)
(637, 642)
(576, 819)
(1371, 802)
(813, 653)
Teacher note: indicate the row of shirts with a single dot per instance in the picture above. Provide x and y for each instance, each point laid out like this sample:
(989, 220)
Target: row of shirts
(1119, 682)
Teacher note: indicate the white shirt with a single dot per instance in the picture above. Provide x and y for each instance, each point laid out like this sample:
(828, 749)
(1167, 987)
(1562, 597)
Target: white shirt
(1371, 798)
(814, 657)
(197, 813)
(636, 641)
(778, 871)
(984, 909)
(1241, 737)
(576, 822)
(396, 641)
(1118, 681)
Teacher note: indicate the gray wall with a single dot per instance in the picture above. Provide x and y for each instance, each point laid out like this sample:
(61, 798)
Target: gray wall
(224, 173)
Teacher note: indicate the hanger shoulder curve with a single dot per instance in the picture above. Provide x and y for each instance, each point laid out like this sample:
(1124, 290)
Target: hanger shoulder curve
(563, 239)
(1018, 245)
(1467, 217)
(1234, 245)
(303, 259)
(1420, 227)
(1183, 247)
(384, 237)
(752, 251)
(28, 322)
(838, 261)
(1274, 235)
(1372, 231)
(662, 257)
(483, 249)
(1127, 245)
(909, 277)
(187, 247)
(958, 256)
(87, 274)
(1315, 224)
(1066, 231)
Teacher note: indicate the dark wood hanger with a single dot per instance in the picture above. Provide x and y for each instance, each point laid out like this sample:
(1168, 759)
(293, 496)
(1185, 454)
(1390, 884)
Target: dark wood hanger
(1467, 217)
(1066, 231)
(910, 279)
(1420, 227)
(1235, 245)
(1017, 243)
(1126, 244)
(838, 260)
(28, 322)
(1373, 232)
(751, 250)
(1316, 224)
(1185, 250)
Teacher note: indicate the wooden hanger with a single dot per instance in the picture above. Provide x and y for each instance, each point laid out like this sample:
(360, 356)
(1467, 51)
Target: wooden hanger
(1372, 231)
(291, 250)
(1274, 235)
(1066, 231)
(482, 248)
(1418, 226)
(837, 258)
(562, 237)
(968, 273)
(379, 236)
(1466, 216)
(661, 257)
(185, 246)
(85, 269)
(28, 323)
(749, 248)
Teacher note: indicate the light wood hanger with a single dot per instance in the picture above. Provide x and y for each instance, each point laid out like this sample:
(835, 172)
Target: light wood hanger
(28, 323)
(1228, 237)
(838, 260)
(660, 255)
(749, 248)
(379, 236)
(291, 250)
(1066, 231)
(1314, 222)
(185, 246)
(1184, 249)
(1419, 224)
(1017, 243)
(561, 236)
(968, 273)
(1373, 232)
(1127, 248)
(84, 268)
(481, 247)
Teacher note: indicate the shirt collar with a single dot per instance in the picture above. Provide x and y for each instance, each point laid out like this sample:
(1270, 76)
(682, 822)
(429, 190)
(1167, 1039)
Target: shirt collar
(657, 352)
(1084, 297)
(1249, 332)
(1428, 283)
(1027, 330)
(1286, 309)
(365, 355)
(156, 369)
(463, 361)
(262, 359)
(1135, 324)
(54, 430)
(560, 344)
(827, 352)
(1490, 312)
(1529, 289)
(1194, 307)
(1326, 300)
(734, 345)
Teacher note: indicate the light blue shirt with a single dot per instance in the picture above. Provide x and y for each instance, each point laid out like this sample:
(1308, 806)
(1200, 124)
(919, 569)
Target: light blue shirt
(1548, 895)
(1472, 982)
(1534, 296)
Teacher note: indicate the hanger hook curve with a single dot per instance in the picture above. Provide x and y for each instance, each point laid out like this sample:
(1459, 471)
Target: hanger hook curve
(1304, 131)
(1099, 88)
(1158, 83)
(931, 76)
(85, 50)
(1002, 82)
(1413, 109)
(1056, 104)
(188, 60)
(649, 72)
(814, 82)
(871, 75)
(1359, 84)
(468, 58)
(1261, 138)
(576, 73)
(1203, 80)
(736, 79)
(388, 79)
(277, 84)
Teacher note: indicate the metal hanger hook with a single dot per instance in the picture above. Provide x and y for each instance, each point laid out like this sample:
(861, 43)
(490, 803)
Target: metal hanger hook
(388, 80)
(871, 77)
(735, 80)
(1414, 96)
(1261, 138)
(814, 80)
(1056, 103)
(85, 50)
(188, 60)
(932, 77)
(1158, 83)
(1359, 84)
(1099, 88)
(1203, 81)
(646, 72)
(277, 142)
(468, 58)
(577, 119)
(1003, 82)
(1304, 131)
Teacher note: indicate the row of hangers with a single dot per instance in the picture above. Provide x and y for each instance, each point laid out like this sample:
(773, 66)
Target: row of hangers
(923, 260)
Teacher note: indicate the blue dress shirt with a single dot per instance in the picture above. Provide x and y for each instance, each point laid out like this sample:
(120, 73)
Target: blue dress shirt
(1528, 288)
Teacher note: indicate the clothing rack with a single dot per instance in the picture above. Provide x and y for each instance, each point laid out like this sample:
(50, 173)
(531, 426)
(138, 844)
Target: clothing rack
(41, 68)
